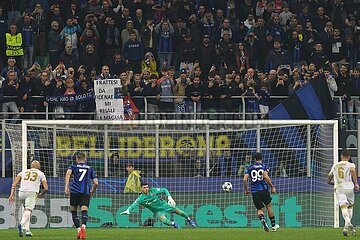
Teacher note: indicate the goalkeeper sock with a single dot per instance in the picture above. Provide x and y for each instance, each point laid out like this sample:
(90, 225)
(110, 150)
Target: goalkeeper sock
(272, 219)
(167, 221)
(350, 211)
(261, 217)
(346, 217)
(25, 218)
(75, 219)
(183, 214)
(84, 217)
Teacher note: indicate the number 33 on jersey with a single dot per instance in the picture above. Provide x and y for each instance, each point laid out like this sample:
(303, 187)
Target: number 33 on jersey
(31, 180)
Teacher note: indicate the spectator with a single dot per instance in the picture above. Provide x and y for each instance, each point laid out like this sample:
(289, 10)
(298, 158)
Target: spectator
(125, 34)
(165, 33)
(133, 181)
(11, 66)
(225, 27)
(277, 57)
(338, 14)
(107, 10)
(165, 87)
(114, 165)
(69, 107)
(305, 16)
(242, 58)
(181, 83)
(241, 32)
(258, 29)
(136, 92)
(139, 20)
(318, 56)
(54, 42)
(3, 29)
(27, 31)
(24, 90)
(56, 15)
(226, 52)
(321, 19)
(207, 24)
(264, 97)
(112, 39)
(330, 82)
(247, 163)
(297, 50)
(69, 58)
(10, 89)
(149, 64)
(14, 45)
(70, 34)
(188, 53)
(276, 30)
(125, 17)
(285, 15)
(195, 92)
(206, 55)
(105, 73)
(194, 28)
(251, 101)
(40, 18)
(133, 53)
(89, 36)
(338, 48)
(180, 31)
(150, 91)
(212, 92)
(256, 50)
(90, 58)
(226, 90)
(117, 65)
(353, 97)
(351, 54)
(148, 36)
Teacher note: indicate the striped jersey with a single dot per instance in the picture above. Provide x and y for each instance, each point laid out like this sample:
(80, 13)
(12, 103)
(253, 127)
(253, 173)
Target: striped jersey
(83, 174)
(256, 172)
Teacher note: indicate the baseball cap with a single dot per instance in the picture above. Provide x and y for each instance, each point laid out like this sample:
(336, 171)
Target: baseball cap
(183, 70)
(206, 36)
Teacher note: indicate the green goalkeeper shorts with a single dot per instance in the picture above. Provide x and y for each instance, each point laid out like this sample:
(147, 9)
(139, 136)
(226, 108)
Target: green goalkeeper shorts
(167, 209)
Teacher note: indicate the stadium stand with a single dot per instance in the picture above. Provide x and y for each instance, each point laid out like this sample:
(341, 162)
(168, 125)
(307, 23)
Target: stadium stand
(239, 58)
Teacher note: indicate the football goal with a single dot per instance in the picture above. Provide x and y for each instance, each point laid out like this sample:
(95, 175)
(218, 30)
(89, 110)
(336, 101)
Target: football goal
(191, 158)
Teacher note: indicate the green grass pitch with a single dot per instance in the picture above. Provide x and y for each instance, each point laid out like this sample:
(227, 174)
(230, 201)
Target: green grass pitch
(184, 234)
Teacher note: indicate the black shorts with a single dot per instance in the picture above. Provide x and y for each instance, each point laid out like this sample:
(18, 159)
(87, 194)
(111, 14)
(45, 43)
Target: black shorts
(261, 198)
(79, 199)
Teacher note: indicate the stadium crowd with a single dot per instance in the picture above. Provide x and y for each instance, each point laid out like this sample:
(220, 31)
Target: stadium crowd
(177, 53)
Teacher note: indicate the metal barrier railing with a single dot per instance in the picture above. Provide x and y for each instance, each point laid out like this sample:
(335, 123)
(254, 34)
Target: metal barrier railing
(241, 114)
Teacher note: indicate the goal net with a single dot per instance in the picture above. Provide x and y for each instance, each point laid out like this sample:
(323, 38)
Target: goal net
(190, 158)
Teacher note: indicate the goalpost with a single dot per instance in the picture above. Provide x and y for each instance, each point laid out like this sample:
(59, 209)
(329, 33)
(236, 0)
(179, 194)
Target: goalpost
(192, 158)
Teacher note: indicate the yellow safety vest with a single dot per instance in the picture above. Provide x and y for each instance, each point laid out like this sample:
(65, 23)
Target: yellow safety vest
(14, 45)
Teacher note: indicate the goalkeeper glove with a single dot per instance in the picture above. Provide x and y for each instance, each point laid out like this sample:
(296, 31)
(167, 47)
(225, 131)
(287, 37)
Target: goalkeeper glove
(125, 212)
(171, 201)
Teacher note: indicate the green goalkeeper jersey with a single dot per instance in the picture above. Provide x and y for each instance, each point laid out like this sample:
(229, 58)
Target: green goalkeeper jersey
(152, 201)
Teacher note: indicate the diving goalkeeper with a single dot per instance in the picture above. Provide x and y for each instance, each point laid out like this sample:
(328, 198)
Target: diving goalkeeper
(150, 200)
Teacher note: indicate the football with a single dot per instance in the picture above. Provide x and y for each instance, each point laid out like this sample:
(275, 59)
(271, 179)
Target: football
(227, 186)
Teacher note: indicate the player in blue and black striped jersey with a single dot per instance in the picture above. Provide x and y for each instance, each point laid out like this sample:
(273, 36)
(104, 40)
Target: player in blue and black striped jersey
(80, 191)
(260, 185)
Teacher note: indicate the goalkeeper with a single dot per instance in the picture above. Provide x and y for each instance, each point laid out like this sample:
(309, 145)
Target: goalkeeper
(149, 199)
